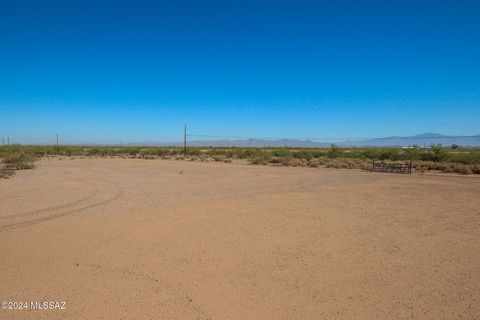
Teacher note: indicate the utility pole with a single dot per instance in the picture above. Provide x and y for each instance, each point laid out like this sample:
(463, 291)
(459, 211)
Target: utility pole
(8, 141)
(57, 138)
(185, 140)
(3, 141)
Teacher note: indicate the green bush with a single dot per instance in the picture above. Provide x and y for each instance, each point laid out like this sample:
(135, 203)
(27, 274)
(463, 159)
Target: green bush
(389, 154)
(281, 153)
(306, 154)
(18, 161)
(194, 151)
(371, 153)
(286, 161)
(411, 154)
(334, 151)
(260, 159)
(437, 154)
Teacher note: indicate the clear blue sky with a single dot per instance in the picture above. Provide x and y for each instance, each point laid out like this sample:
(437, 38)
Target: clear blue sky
(110, 71)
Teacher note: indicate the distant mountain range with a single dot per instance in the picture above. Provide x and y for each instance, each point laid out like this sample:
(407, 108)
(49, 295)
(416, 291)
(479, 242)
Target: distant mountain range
(422, 140)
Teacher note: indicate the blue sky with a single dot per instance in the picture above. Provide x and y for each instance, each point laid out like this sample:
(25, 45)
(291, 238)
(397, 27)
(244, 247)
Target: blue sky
(111, 71)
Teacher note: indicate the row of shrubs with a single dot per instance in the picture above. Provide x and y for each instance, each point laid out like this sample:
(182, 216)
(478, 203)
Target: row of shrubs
(435, 153)
(461, 160)
(364, 164)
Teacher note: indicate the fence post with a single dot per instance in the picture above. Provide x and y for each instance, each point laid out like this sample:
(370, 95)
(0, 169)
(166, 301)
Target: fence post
(410, 169)
(373, 167)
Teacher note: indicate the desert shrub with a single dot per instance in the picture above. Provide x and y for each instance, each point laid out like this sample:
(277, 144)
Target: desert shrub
(465, 157)
(281, 153)
(411, 153)
(92, 152)
(161, 152)
(422, 166)
(464, 169)
(360, 164)
(215, 152)
(194, 151)
(389, 154)
(460, 168)
(322, 161)
(314, 163)
(456, 168)
(436, 154)
(338, 164)
(439, 153)
(5, 173)
(334, 151)
(278, 161)
(371, 153)
(219, 158)
(18, 161)
(347, 163)
(245, 153)
(132, 151)
(366, 166)
(231, 153)
(288, 161)
(257, 154)
(306, 154)
(260, 159)
(446, 167)
(476, 169)
(149, 156)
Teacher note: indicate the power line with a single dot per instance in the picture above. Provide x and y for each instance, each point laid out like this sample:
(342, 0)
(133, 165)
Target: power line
(268, 138)
(322, 138)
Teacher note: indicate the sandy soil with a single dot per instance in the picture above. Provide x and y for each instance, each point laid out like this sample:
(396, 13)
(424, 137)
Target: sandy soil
(139, 239)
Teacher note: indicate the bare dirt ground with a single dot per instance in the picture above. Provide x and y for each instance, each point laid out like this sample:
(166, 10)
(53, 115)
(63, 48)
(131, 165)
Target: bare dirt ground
(138, 239)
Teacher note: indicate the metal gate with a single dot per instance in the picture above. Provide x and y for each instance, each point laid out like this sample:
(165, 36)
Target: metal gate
(392, 167)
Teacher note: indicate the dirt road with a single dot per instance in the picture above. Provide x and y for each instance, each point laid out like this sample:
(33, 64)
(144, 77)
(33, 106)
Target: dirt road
(139, 239)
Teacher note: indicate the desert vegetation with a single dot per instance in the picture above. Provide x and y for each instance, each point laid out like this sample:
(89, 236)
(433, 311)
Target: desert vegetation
(444, 159)
(12, 161)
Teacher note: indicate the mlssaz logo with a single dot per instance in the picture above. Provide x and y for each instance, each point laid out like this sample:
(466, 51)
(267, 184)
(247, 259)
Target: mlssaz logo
(47, 305)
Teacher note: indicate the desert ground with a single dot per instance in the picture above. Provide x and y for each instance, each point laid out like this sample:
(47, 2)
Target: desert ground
(166, 239)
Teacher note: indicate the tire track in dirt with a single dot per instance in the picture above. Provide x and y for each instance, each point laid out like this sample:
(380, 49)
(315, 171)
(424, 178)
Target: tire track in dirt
(57, 207)
(67, 209)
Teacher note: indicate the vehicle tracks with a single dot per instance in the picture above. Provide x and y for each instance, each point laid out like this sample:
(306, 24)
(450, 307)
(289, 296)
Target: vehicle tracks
(34, 217)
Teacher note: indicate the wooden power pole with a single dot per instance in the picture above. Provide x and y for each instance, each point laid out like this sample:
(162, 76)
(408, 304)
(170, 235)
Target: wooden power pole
(185, 140)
